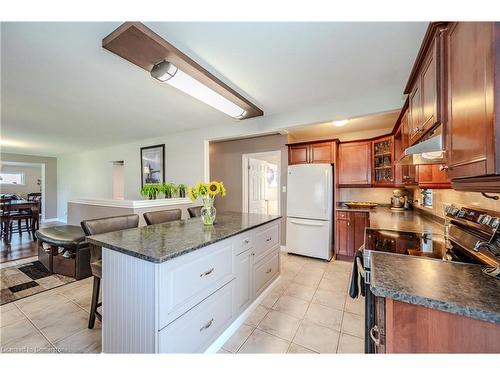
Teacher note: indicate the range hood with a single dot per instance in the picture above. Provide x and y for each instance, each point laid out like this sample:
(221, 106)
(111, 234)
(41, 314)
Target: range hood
(428, 151)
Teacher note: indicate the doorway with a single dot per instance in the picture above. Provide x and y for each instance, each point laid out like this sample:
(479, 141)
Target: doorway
(261, 182)
(118, 180)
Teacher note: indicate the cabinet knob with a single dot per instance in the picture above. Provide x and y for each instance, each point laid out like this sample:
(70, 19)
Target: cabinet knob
(418, 129)
(444, 168)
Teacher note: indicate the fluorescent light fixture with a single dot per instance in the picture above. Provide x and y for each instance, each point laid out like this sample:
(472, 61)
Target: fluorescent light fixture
(340, 122)
(167, 72)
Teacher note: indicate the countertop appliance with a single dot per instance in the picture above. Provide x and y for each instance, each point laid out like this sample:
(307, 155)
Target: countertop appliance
(470, 236)
(310, 199)
(398, 199)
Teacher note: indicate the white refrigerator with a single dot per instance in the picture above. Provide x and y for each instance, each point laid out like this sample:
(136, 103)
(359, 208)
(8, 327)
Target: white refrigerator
(309, 223)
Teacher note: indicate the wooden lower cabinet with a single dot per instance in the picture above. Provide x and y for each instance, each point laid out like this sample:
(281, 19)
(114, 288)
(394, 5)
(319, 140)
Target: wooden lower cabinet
(417, 329)
(350, 232)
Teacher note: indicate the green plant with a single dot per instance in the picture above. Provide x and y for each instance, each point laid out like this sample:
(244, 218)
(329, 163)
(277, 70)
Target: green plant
(150, 190)
(169, 189)
(182, 188)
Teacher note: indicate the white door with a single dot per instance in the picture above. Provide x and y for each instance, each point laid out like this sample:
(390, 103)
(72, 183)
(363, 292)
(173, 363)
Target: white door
(310, 191)
(312, 238)
(257, 203)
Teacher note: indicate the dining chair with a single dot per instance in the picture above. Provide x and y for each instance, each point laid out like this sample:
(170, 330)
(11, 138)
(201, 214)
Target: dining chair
(165, 216)
(194, 211)
(99, 226)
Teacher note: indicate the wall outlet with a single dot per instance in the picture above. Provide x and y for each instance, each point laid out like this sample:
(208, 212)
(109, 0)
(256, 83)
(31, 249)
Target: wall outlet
(283, 189)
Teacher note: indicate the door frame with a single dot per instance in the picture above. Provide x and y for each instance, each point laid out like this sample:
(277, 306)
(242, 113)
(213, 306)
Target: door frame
(244, 176)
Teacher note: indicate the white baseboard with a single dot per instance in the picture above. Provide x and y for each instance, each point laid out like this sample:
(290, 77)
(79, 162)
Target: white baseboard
(217, 344)
(283, 248)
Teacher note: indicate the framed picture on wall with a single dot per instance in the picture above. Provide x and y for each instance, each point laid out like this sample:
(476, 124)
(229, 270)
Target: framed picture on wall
(153, 164)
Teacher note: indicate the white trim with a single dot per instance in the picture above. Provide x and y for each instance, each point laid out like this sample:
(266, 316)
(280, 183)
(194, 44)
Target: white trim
(283, 248)
(244, 177)
(221, 340)
(54, 219)
(146, 203)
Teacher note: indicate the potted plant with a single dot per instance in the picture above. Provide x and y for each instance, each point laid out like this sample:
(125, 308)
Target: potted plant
(150, 190)
(169, 189)
(207, 192)
(181, 188)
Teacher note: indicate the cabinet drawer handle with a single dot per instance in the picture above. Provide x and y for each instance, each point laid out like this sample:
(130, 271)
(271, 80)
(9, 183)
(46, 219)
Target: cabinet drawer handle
(207, 272)
(375, 331)
(269, 270)
(247, 242)
(269, 239)
(206, 326)
(444, 168)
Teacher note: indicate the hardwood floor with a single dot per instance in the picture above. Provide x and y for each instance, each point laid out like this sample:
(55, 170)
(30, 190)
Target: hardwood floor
(21, 246)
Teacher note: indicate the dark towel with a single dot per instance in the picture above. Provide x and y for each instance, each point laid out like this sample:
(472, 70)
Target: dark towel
(356, 288)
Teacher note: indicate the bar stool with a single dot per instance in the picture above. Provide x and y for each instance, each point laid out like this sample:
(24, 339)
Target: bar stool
(99, 226)
(165, 216)
(194, 211)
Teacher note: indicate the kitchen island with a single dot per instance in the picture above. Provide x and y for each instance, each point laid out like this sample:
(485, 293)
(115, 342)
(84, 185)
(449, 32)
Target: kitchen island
(178, 287)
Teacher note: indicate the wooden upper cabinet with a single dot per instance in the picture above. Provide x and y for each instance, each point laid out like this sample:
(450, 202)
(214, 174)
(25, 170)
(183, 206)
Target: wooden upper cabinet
(322, 152)
(470, 126)
(314, 152)
(354, 164)
(298, 154)
(424, 87)
(433, 177)
(408, 172)
(383, 162)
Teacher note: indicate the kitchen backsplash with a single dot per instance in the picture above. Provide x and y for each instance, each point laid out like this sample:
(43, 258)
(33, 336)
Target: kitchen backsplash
(376, 195)
(445, 197)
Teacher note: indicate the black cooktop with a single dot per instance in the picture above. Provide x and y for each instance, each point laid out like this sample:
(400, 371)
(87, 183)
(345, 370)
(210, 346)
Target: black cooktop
(428, 245)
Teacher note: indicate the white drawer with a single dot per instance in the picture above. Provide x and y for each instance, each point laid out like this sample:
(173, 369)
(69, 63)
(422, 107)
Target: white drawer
(265, 239)
(242, 242)
(187, 280)
(196, 330)
(265, 271)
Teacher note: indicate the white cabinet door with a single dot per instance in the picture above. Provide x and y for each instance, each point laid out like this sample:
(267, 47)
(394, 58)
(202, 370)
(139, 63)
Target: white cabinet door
(197, 329)
(243, 291)
(266, 271)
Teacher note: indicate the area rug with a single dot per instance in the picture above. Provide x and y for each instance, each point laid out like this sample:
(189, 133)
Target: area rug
(27, 279)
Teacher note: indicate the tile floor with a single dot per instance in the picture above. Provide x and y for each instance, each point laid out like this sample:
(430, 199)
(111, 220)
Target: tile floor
(54, 321)
(307, 312)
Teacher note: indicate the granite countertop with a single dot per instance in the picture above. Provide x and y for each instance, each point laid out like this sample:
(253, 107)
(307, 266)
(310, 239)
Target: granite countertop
(416, 220)
(452, 287)
(162, 242)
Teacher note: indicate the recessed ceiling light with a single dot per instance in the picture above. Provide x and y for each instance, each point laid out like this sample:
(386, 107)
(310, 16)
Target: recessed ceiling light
(340, 122)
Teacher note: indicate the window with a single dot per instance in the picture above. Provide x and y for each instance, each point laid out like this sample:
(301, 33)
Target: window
(13, 178)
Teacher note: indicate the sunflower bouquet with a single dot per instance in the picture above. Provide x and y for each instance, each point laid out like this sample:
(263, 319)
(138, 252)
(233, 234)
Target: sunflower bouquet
(207, 192)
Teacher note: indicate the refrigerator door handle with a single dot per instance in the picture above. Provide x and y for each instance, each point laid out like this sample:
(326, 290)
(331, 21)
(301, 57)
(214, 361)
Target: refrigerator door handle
(325, 207)
(309, 223)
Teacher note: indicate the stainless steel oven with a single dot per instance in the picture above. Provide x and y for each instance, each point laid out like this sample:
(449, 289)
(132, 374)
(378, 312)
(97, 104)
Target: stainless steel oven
(469, 236)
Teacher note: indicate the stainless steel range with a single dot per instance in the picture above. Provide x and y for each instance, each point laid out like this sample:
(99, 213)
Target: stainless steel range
(470, 236)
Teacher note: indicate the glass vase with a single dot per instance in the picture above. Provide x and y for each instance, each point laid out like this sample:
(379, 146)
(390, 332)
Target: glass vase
(208, 211)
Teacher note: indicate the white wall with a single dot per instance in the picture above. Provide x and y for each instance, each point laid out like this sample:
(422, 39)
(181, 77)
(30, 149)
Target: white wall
(89, 174)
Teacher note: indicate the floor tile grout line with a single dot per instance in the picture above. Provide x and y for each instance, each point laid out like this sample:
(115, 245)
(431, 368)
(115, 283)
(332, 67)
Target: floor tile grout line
(38, 329)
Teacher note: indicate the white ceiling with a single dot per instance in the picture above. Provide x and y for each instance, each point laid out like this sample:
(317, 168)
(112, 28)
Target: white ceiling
(62, 92)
